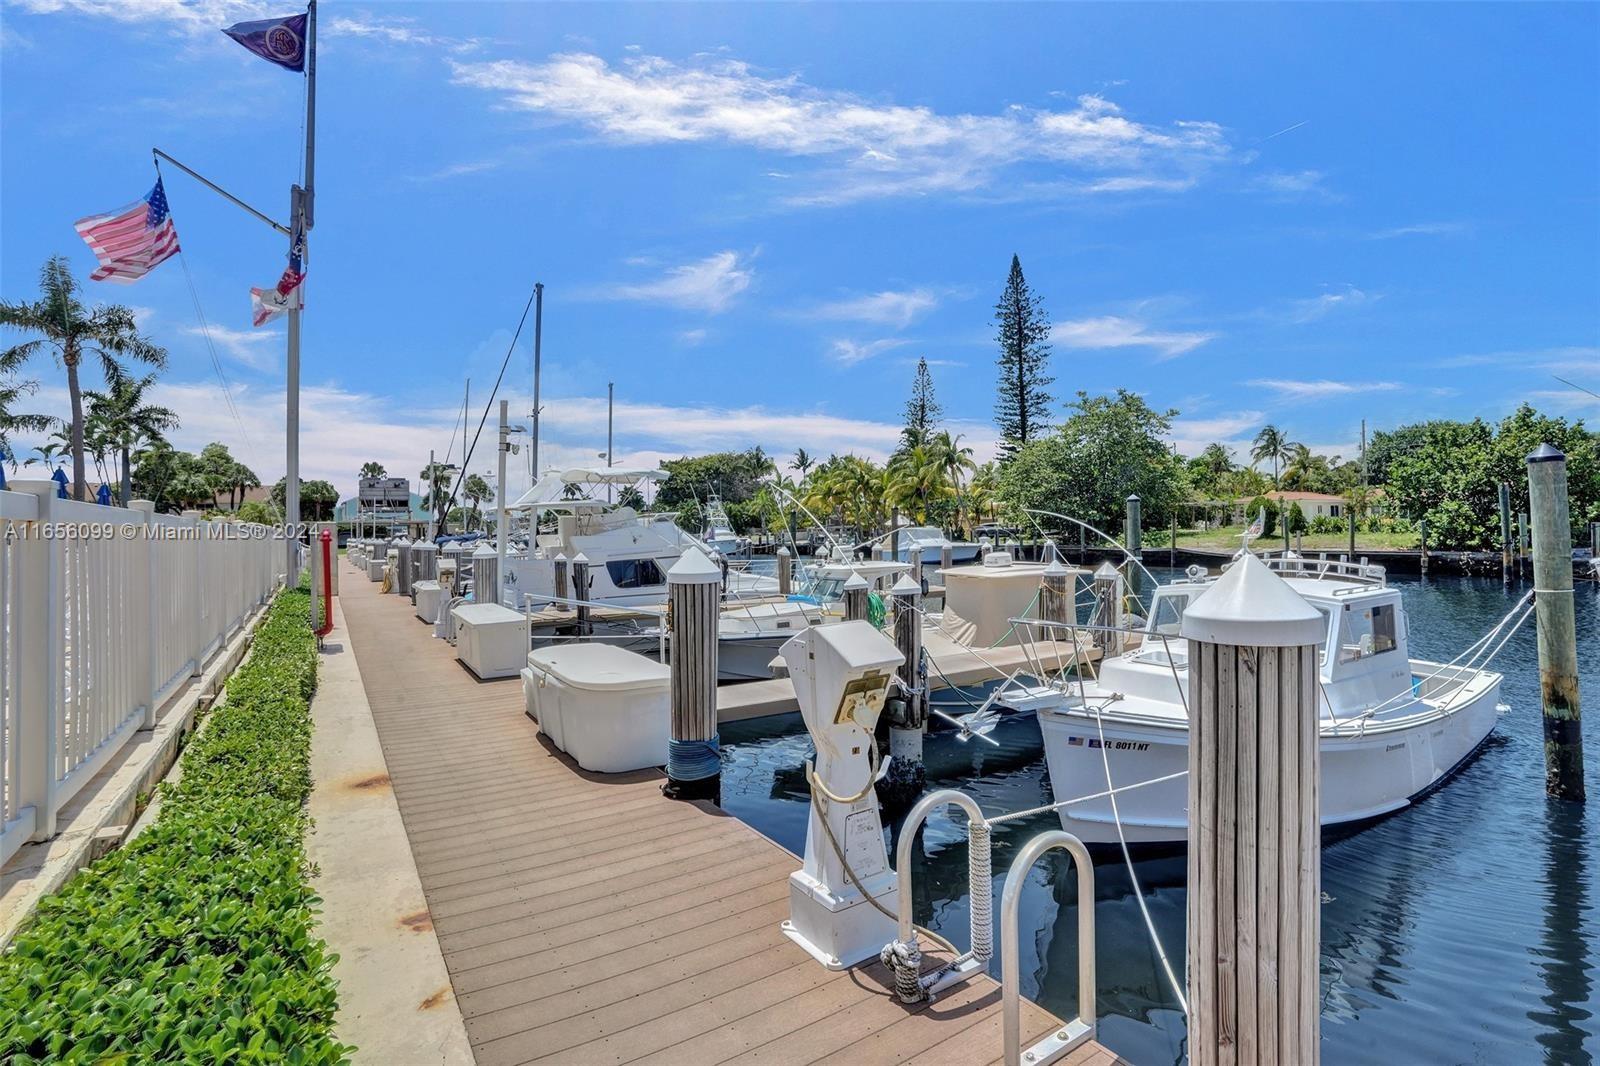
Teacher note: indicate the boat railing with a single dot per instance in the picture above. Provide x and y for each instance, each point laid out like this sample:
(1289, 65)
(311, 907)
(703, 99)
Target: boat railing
(1293, 565)
(105, 612)
(661, 616)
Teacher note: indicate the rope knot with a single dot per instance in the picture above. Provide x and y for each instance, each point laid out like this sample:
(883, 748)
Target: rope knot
(904, 960)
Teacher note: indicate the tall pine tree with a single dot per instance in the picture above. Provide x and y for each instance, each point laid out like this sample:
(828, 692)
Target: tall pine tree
(1021, 404)
(922, 410)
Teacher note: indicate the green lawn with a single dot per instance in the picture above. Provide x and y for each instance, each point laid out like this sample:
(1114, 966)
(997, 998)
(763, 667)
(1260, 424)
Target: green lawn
(1228, 538)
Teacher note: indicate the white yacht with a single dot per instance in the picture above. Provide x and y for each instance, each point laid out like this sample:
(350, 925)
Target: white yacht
(628, 553)
(930, 543)
(749, 635)
(1392, 727)
(719, 533)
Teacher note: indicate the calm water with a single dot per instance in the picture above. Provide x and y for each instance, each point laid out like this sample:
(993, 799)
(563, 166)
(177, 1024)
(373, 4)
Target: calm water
(1462, 929)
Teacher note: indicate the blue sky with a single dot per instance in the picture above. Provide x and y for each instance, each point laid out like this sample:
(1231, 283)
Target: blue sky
(754, 219)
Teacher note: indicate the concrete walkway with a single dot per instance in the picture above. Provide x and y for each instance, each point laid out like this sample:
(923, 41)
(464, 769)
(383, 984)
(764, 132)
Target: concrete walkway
(396, 1004)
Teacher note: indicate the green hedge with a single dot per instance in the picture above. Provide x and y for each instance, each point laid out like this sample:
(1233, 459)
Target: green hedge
(195, 942)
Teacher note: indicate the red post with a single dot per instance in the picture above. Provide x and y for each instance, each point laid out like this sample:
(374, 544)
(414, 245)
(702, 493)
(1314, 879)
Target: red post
(324, 566)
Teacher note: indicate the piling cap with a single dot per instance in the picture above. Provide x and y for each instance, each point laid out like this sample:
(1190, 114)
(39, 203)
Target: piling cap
(854, 581)
(1250, 606)
(484, 551)
(785, 552)
(1055, 568)
(904, 587)
(694, 567)
(1106, 572)
(580, 560)
(1547, 453)
(561, 557)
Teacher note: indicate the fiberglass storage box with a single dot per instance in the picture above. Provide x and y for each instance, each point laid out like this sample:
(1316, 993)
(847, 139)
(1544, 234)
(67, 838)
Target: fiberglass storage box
(430, 594)
(492, 640)
(608, 708)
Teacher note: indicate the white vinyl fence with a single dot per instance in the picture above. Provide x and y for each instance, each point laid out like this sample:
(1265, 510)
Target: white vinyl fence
(104, 613)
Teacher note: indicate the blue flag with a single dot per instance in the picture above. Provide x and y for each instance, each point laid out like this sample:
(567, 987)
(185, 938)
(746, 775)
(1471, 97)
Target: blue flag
(103, 496)
(281, 40)
(60, 478)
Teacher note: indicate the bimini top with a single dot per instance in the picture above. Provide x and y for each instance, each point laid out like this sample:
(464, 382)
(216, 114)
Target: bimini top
(552, 490)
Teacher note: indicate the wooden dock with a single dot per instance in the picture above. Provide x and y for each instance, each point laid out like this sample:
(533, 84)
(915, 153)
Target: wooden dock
(585, 918)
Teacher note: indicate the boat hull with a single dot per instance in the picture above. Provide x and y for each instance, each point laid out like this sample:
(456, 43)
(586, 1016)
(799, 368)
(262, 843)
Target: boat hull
(1364, 776)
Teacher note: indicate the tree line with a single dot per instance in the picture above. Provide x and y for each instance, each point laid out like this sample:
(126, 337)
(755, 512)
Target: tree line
(115, 429)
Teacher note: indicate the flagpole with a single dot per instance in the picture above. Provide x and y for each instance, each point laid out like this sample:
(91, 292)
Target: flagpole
(301, 213)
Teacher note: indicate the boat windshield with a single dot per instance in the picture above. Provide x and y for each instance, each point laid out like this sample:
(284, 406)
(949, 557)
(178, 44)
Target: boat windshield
(1366, 631)
(1168, 613)
(923, 533)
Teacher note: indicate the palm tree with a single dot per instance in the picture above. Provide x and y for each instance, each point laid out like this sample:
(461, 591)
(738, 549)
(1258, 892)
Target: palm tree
(802, 462)
(475, 489)
(12, 390)
(72, 331)
(373, 469)
(243, 480)
(916, 476)
(126, 424)
(1271, 445)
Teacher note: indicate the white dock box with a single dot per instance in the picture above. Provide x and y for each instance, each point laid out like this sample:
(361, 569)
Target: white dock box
(375, 566)
(609, 709)
(492, 640)
(429, 596)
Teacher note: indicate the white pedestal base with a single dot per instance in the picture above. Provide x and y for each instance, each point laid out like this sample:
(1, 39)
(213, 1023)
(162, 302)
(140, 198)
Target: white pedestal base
(842, 930)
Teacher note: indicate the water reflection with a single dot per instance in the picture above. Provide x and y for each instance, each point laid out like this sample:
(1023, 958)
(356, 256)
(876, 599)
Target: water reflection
(1462, 928)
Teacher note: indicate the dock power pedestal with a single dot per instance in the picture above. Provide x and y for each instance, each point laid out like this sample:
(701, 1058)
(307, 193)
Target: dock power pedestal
(842, 674)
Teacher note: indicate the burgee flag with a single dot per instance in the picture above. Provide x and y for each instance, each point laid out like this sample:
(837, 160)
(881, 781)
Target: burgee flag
(132, 240)
(268, 304)
(280, 40)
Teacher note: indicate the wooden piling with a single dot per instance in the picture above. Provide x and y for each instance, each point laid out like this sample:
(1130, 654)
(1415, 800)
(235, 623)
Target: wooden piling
(560, 565)
(1505, 532)
(1055, 593)
(1422, 539)
(694, 763)
(946, 561)
(855, 598)
(1172, 545)
(1553, 613)
(1133, 537)
(580, 592)
(894, 533)
(1352, 532)
(785, 571)
(907, 710)
(1254, 839)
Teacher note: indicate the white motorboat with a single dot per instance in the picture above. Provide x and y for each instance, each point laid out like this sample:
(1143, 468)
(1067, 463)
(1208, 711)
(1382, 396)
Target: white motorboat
(719, 533)
(1392, 727)
(749, 635)
(628, 553)
(931, 543)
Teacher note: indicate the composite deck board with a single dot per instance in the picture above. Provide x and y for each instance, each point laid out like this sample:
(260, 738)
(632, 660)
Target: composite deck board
(584, 918)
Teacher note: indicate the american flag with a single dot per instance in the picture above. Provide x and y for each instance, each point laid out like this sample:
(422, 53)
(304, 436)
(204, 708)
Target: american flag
(131, 241)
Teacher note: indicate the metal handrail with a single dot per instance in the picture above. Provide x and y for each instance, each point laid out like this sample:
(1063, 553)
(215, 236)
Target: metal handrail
(1081, 1028)
(980, 885)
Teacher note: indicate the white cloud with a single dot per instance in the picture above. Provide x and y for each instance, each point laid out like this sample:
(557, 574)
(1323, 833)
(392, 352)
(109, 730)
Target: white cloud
(692, 338)
(188, 15)
(1191, 435)
(456, 170)
(865, 149)
(1309, 310)
(1577, 358)
(254, 348)
(1420, 229)
(1111, 331)
(849, 352)
(1295, 185)
(897, 309)
(1323, 389)
(708, 284)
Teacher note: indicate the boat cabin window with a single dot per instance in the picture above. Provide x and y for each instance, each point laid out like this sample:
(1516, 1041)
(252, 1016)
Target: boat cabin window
(1366, 631)
(1168, 613)
(635, 573)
